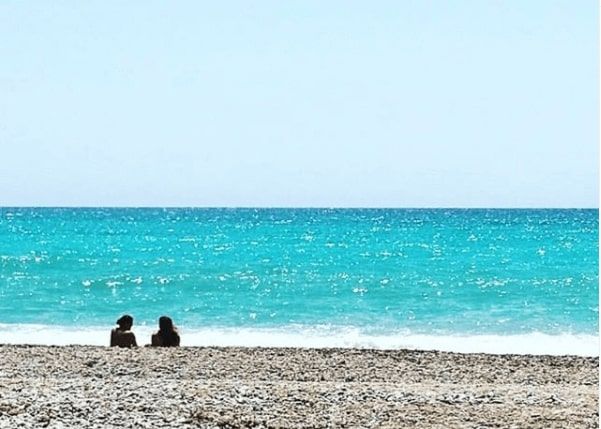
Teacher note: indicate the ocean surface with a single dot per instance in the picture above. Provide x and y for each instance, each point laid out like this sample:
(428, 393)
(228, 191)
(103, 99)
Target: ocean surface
(496, 281)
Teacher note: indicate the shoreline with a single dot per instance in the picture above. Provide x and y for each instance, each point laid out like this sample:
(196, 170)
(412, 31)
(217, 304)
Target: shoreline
(534, 343)
(207, 387)
(300, 349)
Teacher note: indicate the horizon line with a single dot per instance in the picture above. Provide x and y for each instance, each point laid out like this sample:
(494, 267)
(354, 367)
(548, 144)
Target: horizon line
(301, 207)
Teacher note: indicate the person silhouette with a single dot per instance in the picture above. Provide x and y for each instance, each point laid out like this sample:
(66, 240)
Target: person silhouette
(167, 335)
(122, 336)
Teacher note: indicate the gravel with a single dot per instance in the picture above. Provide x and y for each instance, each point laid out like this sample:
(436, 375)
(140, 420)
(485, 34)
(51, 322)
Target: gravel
(101, 387)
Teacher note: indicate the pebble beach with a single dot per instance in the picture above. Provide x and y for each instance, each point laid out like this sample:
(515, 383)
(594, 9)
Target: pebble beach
(101, 387)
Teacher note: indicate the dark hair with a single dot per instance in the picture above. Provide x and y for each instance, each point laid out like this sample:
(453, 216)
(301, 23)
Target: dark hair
(125, 320)
(167, 332)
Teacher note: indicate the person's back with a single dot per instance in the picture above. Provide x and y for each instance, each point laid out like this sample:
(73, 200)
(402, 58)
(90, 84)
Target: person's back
(122, 336)
(167, 335)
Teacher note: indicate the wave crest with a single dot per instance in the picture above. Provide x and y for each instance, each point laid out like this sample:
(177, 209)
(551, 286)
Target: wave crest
(535, 343)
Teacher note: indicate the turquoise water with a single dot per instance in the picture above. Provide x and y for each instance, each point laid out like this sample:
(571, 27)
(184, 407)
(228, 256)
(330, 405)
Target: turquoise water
(430, 272)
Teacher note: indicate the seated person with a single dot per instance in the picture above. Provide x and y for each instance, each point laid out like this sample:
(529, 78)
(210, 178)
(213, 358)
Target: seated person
(167, 335)
(122, 336)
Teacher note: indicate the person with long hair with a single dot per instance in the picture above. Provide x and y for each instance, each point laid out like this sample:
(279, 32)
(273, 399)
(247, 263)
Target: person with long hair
(167, 335)
(122, 336)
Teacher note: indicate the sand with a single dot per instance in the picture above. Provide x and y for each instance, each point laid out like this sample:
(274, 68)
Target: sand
(100, 387)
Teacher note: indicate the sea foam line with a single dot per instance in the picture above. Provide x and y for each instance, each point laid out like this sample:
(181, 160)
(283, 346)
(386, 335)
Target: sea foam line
(535, 343)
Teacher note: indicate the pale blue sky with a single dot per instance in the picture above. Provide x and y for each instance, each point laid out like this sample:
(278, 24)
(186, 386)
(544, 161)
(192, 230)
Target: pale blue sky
(299, 103)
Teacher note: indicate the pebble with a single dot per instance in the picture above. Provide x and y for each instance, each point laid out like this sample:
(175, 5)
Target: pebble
(101, 387)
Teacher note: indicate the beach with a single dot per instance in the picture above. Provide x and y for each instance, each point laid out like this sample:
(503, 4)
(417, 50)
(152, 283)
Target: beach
(233, 387)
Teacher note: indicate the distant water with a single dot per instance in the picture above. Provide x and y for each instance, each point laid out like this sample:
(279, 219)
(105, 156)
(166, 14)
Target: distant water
(521, 281)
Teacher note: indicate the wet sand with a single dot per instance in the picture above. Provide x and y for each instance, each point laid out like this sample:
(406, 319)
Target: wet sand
(78, 386)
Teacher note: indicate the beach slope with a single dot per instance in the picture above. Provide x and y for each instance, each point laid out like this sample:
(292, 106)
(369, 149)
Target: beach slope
(78, 386)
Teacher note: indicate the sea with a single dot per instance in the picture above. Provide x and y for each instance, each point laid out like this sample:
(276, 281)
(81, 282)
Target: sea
(466, 280)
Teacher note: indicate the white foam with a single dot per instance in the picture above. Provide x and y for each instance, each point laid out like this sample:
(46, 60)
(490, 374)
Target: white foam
(321, 337)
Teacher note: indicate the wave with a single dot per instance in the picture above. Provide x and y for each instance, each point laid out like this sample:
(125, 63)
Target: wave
(535, 343)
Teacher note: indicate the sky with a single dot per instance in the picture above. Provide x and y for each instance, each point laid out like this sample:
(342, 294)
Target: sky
(299, 103)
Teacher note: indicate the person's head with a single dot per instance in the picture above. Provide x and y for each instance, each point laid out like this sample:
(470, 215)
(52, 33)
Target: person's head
(125, 322)
(167, 332)
(166, 324)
